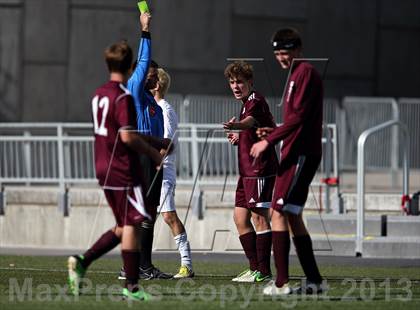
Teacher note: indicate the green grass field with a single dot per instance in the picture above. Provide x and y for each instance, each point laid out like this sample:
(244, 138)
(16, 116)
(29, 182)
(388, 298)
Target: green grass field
(34, 282)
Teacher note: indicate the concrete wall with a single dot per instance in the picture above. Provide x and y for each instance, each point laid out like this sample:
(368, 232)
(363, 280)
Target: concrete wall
(51, 50)
(32, 220)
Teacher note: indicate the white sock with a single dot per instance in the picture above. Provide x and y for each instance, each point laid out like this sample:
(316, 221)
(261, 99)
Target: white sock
(184, 249)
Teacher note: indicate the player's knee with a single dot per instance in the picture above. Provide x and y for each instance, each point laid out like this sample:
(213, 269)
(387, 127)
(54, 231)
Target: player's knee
(239, 224)
(235, 219)
(264, 225)
(169, 218)
(256, 218)
(278, 218)
(239, 220)
(260, 222)
(117, 231)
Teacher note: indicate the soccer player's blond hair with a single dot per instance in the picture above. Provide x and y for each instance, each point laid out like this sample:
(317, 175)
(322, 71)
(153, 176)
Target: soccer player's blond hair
(164, 81)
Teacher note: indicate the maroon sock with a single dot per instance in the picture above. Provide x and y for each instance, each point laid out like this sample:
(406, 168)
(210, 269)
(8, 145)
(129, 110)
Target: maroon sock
(131, 259)
(248, 242)
(263, 245)
(104, 244)
(281, 248)
(306, 257)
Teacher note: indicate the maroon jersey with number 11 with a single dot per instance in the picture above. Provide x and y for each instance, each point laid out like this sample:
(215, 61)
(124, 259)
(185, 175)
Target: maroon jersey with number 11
(113, 110)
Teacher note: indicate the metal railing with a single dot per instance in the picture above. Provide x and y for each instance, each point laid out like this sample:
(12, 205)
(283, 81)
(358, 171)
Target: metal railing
(53, 152)
(361, 174)
(42, 158)
(62, 154)
(410, 115)
(352, 115)
(199, 109)
(358, 114)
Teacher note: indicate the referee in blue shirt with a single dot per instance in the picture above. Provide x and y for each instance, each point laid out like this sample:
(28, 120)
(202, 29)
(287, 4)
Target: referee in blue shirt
(149, 122)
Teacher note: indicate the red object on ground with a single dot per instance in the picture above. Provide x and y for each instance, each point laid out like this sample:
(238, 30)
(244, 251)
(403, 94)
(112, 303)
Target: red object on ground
(405, 202)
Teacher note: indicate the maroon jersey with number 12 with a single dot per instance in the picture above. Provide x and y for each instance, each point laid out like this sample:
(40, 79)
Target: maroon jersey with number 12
(113, 109)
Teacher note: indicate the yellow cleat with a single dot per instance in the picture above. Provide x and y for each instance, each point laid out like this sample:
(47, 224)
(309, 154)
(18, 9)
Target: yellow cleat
(184, 272)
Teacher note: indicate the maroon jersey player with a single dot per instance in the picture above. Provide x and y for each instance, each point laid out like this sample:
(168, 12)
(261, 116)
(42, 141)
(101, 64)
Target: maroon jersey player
(300, 157)
(117, 146)
(257, 177)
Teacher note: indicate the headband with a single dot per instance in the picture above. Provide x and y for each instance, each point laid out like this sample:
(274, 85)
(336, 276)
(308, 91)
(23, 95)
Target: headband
(289, 44)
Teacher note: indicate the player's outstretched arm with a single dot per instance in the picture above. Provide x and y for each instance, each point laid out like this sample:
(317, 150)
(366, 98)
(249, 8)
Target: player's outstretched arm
(136, 142)
(246, 123)
(136, 82)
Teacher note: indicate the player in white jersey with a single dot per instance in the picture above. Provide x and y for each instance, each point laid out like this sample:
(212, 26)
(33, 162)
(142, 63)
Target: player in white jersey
(167, 196)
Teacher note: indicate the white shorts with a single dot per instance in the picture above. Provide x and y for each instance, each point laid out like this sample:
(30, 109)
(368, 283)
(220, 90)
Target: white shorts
(167, 197)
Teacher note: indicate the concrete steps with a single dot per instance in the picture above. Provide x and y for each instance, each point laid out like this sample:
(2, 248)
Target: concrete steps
(394, 225)
(396, 237)
(373, 247)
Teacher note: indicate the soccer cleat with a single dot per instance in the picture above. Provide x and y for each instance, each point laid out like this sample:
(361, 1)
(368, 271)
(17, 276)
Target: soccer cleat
(259, 277)
(245, 276)
(184, 272)
(147, 274)
(76, 273)
(153, 273)
(136, 296)
(272, 290)
(309, 288)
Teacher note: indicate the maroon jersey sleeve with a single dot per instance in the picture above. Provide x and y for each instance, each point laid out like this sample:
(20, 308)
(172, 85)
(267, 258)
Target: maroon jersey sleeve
(254, 109)
(125, 113)
(299, 110)
(258, 109)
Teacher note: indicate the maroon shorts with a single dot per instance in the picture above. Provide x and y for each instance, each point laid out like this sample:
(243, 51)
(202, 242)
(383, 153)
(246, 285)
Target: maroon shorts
(292, 183)
(128, 205)
(254, 192)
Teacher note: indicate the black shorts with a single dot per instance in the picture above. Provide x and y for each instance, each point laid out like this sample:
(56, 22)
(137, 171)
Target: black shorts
(294, 177)
(152, 182)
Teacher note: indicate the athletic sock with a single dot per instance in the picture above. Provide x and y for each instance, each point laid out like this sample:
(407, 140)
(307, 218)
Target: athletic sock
(248, 242)
(281, 248)
(104, 244)
(306, 257)
(184, 249)
(131, 260)
(146, 243)
(263, 245)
